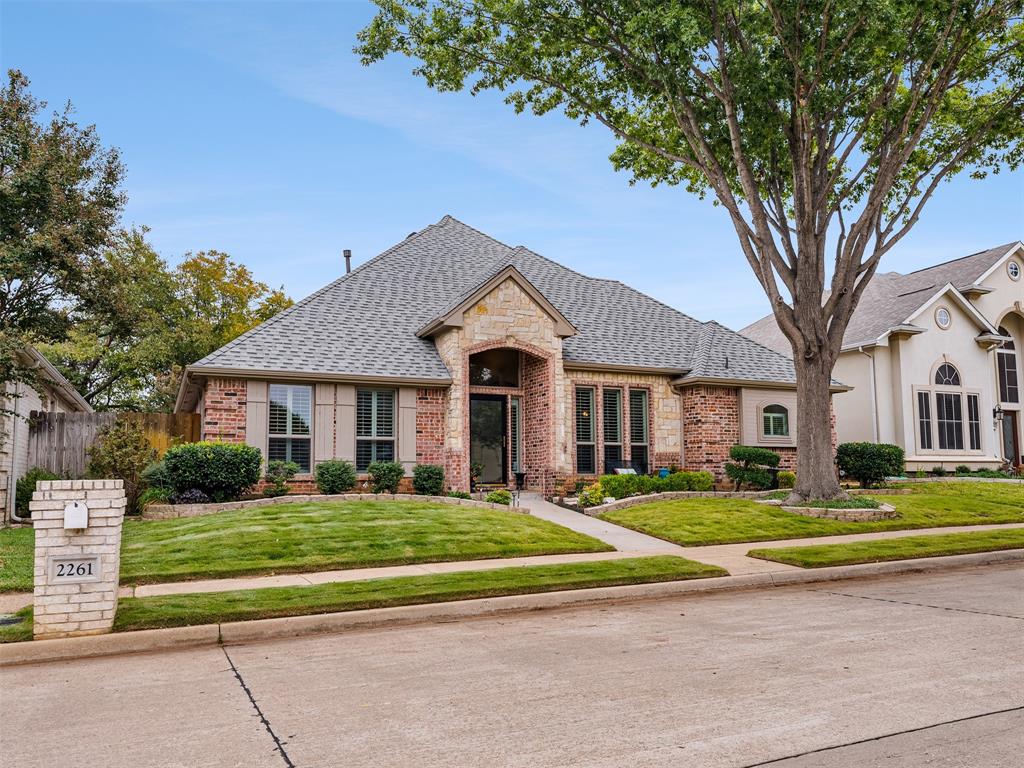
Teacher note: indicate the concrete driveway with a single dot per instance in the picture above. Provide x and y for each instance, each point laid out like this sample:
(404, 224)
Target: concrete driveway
(907, 671)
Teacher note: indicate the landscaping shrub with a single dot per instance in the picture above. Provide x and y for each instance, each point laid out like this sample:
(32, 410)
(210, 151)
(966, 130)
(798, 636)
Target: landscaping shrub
(154, 495)
(335, 476)
(122, 452)
(26, 486)
(428, 479)
(963, 469)
(460, 495)
(869, 463)
(593, 495)
(786, 479)
(278, 474)
(385, 476)
(500, 496)
(689, 481)
(752, 469)
(221, 471)
(155, 475)
(939, 471)
(190, 496)
(619, 486)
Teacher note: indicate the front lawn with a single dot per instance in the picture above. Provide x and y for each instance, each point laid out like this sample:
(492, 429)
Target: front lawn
(903, 548)
(215, 607)
(700, 521)
(314, 536)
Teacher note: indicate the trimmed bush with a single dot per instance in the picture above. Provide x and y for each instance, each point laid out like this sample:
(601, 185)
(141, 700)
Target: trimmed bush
(428, 479)
(593, 495)
(939, 471)
(385, 476)
(623, 486)
(122, 452)
(460, 495)
(786, 479)
(752, 467)
(963, 469)
(689, 481)
(869, 463)
(335, 476)
(500, 496)
(221, 471)
(26, 486)
(278, 474)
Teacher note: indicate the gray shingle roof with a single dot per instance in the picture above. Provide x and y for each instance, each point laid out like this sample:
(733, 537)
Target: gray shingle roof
(364, 324)
(890, 299)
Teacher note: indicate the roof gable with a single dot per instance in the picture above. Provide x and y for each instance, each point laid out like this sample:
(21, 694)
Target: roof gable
(453, 315)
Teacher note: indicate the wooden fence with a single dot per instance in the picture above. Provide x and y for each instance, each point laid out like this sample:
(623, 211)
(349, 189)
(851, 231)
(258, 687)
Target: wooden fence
(60, 442)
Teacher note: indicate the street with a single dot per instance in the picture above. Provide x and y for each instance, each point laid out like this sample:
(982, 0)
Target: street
(919, 670)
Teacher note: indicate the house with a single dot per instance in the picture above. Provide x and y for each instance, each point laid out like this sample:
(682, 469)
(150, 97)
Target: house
(452, 348)
(934, 357)
(53, 393)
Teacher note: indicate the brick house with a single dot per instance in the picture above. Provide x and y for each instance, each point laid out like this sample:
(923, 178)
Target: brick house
(452, 348)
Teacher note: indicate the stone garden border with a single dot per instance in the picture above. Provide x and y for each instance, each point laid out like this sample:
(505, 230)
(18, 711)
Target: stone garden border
(171, 511)
(632, 501)
(863, 515)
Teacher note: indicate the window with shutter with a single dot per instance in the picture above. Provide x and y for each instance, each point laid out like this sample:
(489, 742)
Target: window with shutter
(290, 424)
(611, 420)
(375, 426)
(639, 448)
(586, 463)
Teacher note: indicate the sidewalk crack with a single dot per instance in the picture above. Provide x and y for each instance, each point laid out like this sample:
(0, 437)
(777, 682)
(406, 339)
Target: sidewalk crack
(279, 746)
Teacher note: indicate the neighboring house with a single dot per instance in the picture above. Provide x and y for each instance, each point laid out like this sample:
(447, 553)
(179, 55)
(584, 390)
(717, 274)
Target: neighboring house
(55, 393)
(452, 348)
(935, 360)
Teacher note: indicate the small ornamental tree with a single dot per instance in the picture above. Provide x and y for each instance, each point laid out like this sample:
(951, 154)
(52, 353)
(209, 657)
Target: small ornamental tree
(822, 128)
(122, 452)
(751, 466)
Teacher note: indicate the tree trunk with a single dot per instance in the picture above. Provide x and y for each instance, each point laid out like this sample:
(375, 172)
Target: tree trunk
(815, 460)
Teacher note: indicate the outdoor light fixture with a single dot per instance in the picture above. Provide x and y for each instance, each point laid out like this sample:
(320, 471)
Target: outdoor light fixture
(997, 415)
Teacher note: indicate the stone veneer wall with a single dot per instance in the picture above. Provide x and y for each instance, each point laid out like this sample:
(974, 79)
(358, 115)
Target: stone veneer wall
(224, 404)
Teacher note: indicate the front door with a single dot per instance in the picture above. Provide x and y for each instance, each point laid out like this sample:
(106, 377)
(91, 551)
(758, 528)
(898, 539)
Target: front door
(487, 443)
(1011, 438)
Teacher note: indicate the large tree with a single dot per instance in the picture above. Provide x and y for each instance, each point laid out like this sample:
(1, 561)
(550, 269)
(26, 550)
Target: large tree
(822, 127)
(60, 198)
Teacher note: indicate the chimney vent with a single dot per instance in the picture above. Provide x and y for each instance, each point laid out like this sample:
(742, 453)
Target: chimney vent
(348, 260)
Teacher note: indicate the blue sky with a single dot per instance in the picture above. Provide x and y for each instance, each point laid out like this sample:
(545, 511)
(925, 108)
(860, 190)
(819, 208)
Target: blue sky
(253, 129)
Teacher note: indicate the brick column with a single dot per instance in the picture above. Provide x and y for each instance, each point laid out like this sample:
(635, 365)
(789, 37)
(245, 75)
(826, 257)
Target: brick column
(76, 570)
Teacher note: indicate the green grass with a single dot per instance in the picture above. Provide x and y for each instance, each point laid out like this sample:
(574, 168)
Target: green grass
(319, 536)
(903, 548)
(215, 607)
(696, 522)
(16, 633)
(17, 552)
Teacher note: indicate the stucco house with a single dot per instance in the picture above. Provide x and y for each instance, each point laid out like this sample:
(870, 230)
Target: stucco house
(452, 348)
(934, 357)
(52, 393)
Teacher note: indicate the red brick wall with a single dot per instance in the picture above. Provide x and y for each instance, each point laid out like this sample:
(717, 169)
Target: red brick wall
(538, 379)
(430, 428)
(224, 410)
(711, 426)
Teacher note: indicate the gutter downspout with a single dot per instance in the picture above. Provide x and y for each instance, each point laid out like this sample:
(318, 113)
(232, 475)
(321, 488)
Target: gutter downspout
(874, 396)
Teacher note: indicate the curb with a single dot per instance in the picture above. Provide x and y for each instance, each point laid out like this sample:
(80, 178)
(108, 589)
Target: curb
(298, 626)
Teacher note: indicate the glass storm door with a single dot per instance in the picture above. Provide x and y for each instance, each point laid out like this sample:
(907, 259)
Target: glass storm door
(487, 443)
(1011, 448)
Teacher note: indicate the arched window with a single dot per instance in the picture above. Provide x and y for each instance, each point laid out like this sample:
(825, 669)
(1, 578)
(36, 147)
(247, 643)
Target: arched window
(947, 376)
(949, 417)
(775, 421)
(1006, 362)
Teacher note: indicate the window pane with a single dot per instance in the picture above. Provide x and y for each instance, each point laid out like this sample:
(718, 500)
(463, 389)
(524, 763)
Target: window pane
(290, 449)
(924, 420)
(290, 409)
(301, 409)
(974, 422)
(494, 368)
(277, 449)
(364, 454)
(612, 458)
(364, 413)
(385, 413)
(950, 421)
(947, 375)
(638, 416)
(585, 459)
(638, 459)
(369, 451)
(585, 415)
(278, 409)
(612, 416)
(1009, 390)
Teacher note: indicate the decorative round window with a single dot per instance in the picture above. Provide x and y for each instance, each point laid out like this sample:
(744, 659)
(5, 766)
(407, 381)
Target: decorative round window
(942, 318)
(1013, 270)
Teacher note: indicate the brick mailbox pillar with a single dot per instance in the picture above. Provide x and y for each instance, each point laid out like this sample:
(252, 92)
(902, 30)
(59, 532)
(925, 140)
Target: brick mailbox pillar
(78, 556)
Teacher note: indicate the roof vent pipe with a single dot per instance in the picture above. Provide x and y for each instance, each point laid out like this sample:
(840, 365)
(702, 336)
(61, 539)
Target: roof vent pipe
(348, 260)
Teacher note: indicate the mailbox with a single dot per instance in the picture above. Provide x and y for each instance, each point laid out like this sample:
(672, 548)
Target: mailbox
(76, 515)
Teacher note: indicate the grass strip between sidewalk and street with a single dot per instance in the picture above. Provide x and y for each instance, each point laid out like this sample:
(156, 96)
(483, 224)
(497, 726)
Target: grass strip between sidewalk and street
(902, 548)
(241, 605)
